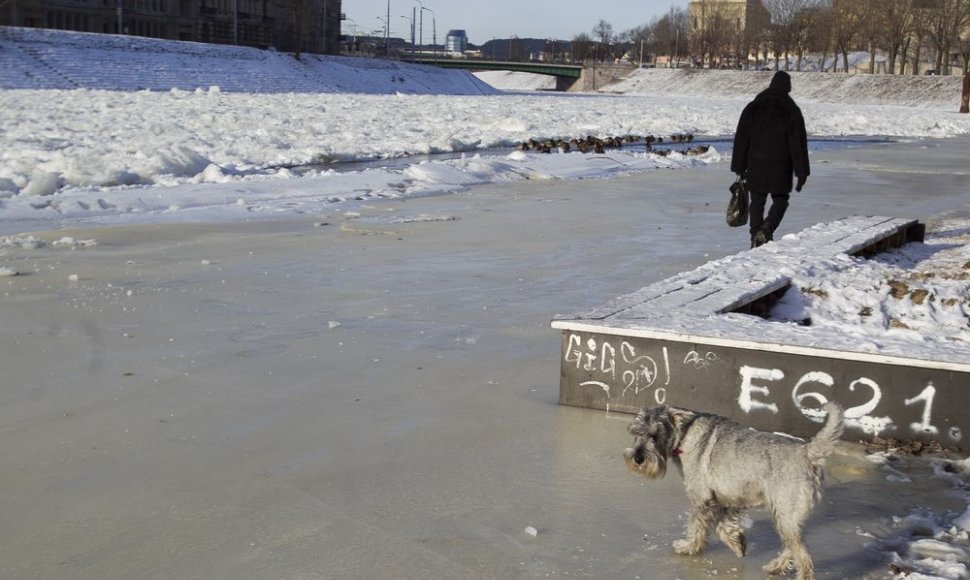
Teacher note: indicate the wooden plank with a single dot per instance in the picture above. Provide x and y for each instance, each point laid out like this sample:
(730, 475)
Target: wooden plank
(704, 292)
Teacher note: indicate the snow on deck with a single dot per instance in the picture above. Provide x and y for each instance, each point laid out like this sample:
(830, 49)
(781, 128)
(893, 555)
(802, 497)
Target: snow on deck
(734, 337)
(706, 304)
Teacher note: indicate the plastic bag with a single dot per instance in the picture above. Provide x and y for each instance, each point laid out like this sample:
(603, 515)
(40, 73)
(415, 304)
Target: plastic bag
(737, 210)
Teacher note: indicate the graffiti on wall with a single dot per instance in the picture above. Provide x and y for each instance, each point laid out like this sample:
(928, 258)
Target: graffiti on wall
(816, 387)
(628, 373)
(633, 371)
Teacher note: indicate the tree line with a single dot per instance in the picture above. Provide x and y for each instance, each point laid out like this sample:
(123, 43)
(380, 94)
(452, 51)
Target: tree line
(915, 36)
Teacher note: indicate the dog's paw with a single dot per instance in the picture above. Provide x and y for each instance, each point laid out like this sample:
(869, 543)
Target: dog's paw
(734, 539)
(686, 548)
(738, 545)
(780, 565)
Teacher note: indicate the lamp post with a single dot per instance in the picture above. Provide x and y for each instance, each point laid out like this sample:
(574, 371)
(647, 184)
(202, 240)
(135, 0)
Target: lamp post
(420, 24)
(387, 32)
(434, 39)
(411, 19)
(677, 49)
(353, 47)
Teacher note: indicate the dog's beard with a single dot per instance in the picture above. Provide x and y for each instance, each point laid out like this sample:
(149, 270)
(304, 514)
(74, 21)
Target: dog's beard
(647, 462)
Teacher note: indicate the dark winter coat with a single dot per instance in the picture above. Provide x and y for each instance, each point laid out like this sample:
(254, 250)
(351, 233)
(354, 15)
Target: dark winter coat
(770, 144)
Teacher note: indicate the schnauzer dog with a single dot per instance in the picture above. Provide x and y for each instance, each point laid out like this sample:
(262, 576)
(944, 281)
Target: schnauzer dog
(728, 468)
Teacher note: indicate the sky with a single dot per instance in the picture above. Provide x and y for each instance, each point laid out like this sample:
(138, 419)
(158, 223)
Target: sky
(483, 21)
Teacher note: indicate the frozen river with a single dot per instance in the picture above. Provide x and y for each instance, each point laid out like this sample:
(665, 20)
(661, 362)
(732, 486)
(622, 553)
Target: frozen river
(374, 394)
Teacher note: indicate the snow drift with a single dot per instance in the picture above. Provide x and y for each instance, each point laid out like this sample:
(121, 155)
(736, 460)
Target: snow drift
(941, 92)
(55, 59)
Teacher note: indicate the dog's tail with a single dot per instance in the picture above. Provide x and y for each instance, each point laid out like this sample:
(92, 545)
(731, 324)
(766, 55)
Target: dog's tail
(823, 444)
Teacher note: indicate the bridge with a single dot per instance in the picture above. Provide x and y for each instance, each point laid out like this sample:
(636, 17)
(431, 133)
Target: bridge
(572, 71)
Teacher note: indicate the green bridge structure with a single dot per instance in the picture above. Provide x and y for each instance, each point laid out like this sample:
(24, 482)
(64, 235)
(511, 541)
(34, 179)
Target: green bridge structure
(567, 75)
(572, 71)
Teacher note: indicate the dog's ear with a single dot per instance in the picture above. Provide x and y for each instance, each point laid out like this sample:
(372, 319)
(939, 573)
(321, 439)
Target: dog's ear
(679, 420)
(679, 417)
(642, 415)
(636, 427)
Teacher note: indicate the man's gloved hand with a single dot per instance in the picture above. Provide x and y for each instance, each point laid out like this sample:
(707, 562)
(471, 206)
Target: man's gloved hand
(801, 183)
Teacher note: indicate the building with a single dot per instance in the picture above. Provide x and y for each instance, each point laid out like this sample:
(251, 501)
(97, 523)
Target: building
(456, 42)
(723, 32)
(257, 23)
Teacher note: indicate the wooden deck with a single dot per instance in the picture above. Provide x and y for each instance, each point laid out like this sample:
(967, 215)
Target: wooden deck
(656, 346)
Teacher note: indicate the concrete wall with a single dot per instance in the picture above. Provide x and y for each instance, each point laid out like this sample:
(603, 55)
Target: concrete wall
(770, 391)
(598, 76)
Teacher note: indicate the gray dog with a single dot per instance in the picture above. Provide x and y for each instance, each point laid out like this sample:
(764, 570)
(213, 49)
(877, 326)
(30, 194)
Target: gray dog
(728, 468)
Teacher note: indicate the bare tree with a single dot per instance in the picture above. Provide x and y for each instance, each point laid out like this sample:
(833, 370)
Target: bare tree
(819, 37)
(640, 40)
(664, 35)
(946, 20)
(582, 46)
(604, 32)
(897, 18)
(672, 32)
(922, 21)
(964, 45)
(936, 28)
(958, 26)
(847, 19)
(871, 30)
(710, 38)
(788, 26)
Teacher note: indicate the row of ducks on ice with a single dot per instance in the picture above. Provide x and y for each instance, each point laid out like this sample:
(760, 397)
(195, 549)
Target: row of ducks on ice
(590, 144)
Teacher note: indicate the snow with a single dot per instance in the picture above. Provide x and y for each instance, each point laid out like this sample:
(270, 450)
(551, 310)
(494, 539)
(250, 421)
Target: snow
(929, 545)
(52, 59)
(910, 303)
(811, 90)
(105, 155)
(507, 80)
(256, 144)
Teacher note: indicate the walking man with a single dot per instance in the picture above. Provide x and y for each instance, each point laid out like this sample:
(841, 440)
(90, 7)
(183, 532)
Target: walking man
(770, 146)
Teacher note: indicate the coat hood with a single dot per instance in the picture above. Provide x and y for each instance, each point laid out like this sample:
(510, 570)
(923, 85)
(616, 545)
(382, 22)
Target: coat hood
(781, 82)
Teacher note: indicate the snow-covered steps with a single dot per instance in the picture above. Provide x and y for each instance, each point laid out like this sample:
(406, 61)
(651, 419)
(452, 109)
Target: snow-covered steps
(730, 337)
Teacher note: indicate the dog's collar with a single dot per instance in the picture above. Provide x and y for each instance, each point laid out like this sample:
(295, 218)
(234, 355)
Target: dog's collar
(678, 452)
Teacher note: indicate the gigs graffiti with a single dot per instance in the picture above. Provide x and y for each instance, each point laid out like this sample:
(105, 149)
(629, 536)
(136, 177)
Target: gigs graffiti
(633, 372)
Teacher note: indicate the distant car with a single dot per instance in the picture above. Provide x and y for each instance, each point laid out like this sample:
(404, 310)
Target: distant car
(930, 73)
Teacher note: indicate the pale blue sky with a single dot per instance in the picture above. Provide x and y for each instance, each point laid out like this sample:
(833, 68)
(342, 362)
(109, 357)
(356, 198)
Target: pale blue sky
(487, 19)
